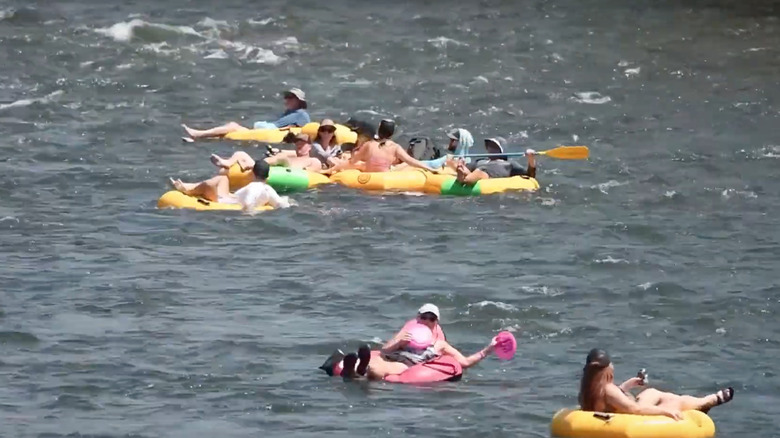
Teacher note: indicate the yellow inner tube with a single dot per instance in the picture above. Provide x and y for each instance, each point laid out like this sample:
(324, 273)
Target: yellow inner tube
(176, 199)
(343, 134)
(569, 423)
(401, 180)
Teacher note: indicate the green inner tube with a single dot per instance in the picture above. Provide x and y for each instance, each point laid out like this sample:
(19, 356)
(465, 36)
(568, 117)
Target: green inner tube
(286, 180)
(455, 188)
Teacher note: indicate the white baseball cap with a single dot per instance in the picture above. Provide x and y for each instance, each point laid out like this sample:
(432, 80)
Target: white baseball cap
(495, 142)
(429, 308)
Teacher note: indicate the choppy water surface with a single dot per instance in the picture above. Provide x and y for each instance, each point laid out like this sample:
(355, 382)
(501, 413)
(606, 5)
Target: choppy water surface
(119, 319)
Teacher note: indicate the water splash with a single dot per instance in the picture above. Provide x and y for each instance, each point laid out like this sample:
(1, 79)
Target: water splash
(51, 97)
(591, 97)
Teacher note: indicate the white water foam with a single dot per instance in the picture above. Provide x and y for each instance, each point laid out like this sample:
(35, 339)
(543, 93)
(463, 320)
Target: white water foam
(252, 54)
(770, 151)
(209, 43)
(497, 304)
(609, 260)
(125, 31)
(212, 23)
(51, 97)
(604, 187)
(542, 290)
(591, 97)
(729, 193)
(632, 71)
(442, 42)
(263, 22)
(217, 54)
(288, 42)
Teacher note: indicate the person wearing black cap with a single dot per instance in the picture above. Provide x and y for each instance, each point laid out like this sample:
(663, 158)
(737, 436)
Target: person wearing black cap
(599, 393)
(217, 189)
(294, 115)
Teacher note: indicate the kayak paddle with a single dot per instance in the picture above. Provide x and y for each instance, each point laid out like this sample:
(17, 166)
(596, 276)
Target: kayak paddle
(561, 152)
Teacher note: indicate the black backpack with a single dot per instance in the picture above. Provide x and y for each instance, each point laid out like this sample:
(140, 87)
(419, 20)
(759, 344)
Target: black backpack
(423, 149)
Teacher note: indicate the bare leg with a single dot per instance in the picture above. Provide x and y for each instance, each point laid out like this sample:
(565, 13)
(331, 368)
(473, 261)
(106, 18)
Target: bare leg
(242, 158)
(345, 165)
(468, 177)
(379, 368)
(654, 397)
(210, 189)
(219, 131)
(311, 164)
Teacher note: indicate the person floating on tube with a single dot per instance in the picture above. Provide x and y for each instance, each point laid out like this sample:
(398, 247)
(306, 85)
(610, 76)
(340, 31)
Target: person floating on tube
(404, 350)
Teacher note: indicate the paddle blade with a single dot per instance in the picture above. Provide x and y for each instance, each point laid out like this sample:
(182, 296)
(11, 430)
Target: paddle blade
(568, 153)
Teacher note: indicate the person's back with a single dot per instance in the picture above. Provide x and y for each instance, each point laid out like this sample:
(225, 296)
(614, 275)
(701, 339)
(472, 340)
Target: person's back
(260, 193)
(379, 157)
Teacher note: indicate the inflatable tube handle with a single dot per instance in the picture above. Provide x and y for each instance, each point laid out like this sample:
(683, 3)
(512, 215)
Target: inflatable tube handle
(433, 362)
(203, 201)
(602, 416)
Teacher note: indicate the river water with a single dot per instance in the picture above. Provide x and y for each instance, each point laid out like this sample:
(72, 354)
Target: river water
(119, 319)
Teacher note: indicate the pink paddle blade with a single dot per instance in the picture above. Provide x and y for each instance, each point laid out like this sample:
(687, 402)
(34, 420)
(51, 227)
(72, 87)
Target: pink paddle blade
(506, 345)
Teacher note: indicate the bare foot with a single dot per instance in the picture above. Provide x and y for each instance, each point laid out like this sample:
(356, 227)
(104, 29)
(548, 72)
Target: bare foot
(193, 133)
(218, 161)
(177, 184)
(183, 187)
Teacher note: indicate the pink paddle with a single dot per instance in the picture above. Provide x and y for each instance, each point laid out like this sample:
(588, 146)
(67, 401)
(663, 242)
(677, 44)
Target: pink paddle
(506, 345)
(422, 337)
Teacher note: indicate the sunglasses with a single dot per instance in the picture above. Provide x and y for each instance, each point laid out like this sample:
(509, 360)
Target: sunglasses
(328, 129)
(428, 317)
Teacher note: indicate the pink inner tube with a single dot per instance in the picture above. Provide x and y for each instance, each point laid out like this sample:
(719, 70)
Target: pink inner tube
(441, 369)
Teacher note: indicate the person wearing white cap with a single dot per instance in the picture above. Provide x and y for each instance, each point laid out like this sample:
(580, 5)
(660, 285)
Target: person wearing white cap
(495, 167)
(294, 115)
(397, 354)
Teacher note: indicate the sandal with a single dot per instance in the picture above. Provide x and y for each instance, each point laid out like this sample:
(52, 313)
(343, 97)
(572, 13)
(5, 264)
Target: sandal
(364, 355)
(723, 396)
(348, 372)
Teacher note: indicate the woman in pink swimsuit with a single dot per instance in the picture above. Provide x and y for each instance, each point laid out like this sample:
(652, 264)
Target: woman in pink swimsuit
(371, 155)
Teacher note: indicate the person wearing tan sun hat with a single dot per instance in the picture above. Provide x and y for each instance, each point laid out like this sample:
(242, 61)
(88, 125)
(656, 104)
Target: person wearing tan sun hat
(295, 114)
(325, 147)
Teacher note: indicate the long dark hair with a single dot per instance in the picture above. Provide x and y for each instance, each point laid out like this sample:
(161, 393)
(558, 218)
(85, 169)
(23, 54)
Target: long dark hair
(596, 375)
(333, 141)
